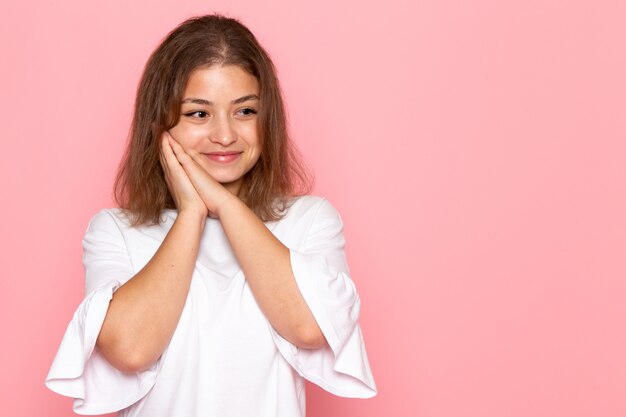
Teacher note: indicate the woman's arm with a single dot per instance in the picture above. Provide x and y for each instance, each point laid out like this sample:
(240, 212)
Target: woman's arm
(264, 260)
(266, 264)
(144, 312)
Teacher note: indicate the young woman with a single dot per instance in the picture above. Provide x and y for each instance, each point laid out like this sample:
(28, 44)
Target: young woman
(217, 286)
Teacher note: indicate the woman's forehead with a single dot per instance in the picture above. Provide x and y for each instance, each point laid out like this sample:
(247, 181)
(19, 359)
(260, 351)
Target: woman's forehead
(223, 82)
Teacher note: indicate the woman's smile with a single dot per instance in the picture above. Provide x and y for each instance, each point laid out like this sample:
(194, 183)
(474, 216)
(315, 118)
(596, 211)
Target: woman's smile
(223, 157)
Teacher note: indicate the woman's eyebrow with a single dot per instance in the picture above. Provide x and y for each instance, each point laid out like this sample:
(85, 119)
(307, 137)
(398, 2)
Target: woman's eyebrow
(245, 98)
(210, 103)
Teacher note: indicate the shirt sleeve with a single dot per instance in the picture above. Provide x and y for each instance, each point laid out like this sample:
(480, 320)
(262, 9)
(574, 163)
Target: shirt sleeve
(321, 272)
(79, 370)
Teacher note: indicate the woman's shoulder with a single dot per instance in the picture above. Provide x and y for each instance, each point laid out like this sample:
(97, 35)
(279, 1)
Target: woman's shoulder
(119, 218)
(106, 218)
(303, 213)
(114, 225)
(308, 217)
(310, 206)
(109, 216)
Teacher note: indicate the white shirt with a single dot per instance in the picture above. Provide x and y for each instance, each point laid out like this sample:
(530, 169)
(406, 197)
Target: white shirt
(224, 358)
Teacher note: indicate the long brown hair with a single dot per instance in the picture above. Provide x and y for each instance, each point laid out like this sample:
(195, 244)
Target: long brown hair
(203, 41)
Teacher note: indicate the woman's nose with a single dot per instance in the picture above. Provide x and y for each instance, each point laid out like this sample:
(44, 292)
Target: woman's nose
(223, 132)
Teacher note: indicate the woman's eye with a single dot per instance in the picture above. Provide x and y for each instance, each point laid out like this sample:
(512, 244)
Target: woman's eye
(197, 114)
(248, 111)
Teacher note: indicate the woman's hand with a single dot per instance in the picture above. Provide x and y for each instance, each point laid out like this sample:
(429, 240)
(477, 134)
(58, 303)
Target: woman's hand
(181, 188)
(212, 193)
(264, 259)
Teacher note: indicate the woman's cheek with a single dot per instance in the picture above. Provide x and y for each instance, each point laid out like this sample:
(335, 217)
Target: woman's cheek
(188, 136)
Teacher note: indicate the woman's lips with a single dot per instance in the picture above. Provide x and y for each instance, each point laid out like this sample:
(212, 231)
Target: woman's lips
(223, 157)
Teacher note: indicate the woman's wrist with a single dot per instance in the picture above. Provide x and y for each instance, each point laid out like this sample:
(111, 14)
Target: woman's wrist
(226, 203)
(192, 215)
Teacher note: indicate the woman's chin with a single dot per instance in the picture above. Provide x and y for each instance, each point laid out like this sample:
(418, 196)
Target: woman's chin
(232, 185)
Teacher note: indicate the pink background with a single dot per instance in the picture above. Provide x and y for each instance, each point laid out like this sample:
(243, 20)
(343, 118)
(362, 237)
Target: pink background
(476, 150)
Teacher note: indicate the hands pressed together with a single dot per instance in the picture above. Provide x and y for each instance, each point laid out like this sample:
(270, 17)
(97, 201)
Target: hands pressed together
(264, 260)
(192, 187)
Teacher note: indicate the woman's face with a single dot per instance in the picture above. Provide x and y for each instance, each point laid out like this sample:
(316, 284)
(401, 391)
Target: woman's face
(219, 119)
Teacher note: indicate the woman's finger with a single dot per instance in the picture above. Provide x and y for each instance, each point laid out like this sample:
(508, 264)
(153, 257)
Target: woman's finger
(180, 185)
(174, 166)
(162, 156)
(168, 159)
(194, 170)
(211, 191)
(197, 157)
(169, 154)
(192, 167)
(164, 164)
(187, 157)
(181, 155)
